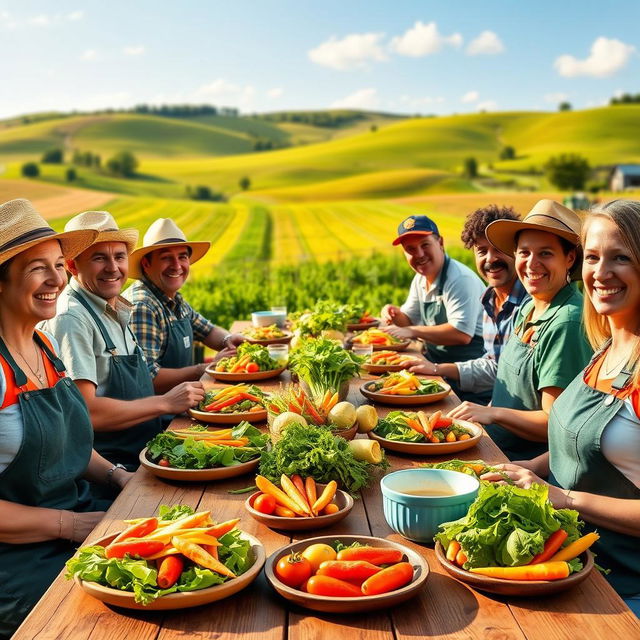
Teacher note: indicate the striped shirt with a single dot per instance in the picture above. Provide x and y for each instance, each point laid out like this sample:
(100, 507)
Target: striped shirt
(151, 306)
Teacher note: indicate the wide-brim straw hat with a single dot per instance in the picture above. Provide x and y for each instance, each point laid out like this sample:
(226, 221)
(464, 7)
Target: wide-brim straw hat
(22, 227)
(163, 233)
(546, 215)
(106, 226)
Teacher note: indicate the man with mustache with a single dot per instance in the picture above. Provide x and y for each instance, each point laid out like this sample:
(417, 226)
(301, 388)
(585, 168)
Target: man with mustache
(501, 301)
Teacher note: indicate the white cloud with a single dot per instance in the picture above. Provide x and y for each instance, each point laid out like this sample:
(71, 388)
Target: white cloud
(487, 43)
(556, 98)
(607, 56)
(470, 96)
(276, 92)
(487, 105)
(134, 50)
(362, 99)
(41, 20)
(51, 20)
(351, 52)
(89, 55)
(7, 21)
(225, 93)
(423, 40)
(75, 15)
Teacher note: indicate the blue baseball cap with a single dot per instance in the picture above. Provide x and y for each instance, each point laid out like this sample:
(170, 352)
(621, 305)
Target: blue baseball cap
(416, 226)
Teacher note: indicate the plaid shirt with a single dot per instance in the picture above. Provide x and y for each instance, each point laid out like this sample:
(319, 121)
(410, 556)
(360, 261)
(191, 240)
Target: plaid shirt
(151, 306)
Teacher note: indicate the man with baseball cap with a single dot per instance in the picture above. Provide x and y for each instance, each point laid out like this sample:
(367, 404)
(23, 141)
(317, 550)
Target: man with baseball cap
(164, 323)
(443, 308)
(100, 351)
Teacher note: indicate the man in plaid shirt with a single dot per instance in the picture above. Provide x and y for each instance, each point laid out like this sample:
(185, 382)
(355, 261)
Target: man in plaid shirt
(501, 301)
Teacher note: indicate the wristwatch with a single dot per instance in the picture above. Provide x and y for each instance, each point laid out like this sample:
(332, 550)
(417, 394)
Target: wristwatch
(225, 341)
(111, 471)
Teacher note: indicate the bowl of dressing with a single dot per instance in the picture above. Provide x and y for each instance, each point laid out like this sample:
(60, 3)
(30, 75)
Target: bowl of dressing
(417, 501)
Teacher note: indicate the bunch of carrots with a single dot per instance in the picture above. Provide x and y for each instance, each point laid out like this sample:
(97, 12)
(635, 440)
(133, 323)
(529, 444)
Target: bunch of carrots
(550, 564)
(293, 398)
(297, 497)
(436, 427)
(169, 543)
(374, 336)
(391, 357)
(229, 396)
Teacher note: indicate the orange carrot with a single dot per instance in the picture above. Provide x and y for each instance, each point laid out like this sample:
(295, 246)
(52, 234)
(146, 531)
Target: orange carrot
(575, 548)
(326, 497)
(452, 550)
(292, 491)
(311, 490)
(542, 571)
(299, 485)
(266, 486)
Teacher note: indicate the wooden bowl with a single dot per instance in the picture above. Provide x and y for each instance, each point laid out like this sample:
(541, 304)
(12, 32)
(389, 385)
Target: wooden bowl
(342, 499)
(348, 605)
(228, 418)
(532, 588)
(225, 376)
(432, 448)
(362, 326)
(404, 401)
(125, 599)
(198, 475)
(283, 340)
(388, 368)
(399, 346)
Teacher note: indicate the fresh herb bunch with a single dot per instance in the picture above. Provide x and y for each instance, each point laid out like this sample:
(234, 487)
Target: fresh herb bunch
(314, 451)
(324, 365)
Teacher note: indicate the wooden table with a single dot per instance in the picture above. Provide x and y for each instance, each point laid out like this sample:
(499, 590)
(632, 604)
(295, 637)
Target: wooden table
(445, 608)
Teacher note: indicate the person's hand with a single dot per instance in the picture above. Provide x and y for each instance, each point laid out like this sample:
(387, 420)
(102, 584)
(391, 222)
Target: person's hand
(473, 412)
(388, 313)
(183, 396)
(235, 339)
(227, 352)
(77, 526)
(120, 478)
(402, 333)
(425, 367)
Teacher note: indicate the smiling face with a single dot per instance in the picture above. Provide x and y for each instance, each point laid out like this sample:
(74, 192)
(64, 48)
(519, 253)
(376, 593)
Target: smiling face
(33, 283)
(102, 269)
(541, 263)
(611, 275)
(425, 254)
(496, 267)
(168, 268)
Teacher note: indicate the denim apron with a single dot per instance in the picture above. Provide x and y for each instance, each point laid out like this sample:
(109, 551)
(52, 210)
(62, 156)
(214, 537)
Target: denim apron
(46, 472)
(576, 423)
(128, 379)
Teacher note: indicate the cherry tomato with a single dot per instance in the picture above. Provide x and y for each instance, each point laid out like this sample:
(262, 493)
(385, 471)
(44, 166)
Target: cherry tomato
(265, 503)
(163, 462)
(293, 570)
(318, 553)
(252, 367)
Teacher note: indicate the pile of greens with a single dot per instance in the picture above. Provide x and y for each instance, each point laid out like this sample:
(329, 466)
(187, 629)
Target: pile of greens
(470, 467)
(140, 576)
(194, 454)
(324, 365)
(314, 451)
(394, 427)
(258, 354)
(507, 526)
(427, 387)
(324, 316)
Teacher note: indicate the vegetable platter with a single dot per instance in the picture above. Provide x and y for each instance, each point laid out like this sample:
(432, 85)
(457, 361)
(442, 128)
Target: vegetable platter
(380, 340)
(405, 389)
(267, 335)
(231, 405)
(200, 455)
(422, 434)
(388, 361)
(297, 504)
(251, 362)
(177, 560)
(358, 558)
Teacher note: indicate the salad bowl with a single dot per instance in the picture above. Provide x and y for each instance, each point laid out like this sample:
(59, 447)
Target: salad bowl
(404, 401)
(225, 376)
(228, 418)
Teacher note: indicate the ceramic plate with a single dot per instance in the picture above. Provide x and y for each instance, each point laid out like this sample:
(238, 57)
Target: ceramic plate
(348, 605)
(432, 448)
(342, 499)
(198, 475)
(119, 598)
(399, 346)
(515, 587)
(404, 401)
(283, 340)
(225, 376)
(228, 418)
(389, 368)
(362, 326)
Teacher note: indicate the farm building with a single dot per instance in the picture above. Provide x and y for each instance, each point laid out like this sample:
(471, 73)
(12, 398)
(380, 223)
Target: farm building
(624, 176)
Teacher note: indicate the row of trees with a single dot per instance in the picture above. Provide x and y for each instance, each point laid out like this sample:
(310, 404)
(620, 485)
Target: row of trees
(329, 119)
(625, 98)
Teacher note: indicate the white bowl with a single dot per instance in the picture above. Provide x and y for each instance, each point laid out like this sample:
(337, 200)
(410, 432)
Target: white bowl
(267, 318)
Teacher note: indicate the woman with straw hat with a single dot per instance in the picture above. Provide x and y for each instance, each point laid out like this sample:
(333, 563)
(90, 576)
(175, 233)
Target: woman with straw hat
(547, 347)
(593, 463)
(45, 432)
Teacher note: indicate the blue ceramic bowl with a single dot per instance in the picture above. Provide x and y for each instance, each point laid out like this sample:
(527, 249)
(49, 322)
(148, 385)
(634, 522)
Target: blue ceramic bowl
(267, 318)
(417, 517)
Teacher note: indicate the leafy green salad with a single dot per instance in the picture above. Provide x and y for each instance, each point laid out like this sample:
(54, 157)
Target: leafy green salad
(397, 426)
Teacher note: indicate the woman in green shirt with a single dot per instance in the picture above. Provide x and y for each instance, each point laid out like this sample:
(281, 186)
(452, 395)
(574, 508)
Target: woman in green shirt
(548, 346)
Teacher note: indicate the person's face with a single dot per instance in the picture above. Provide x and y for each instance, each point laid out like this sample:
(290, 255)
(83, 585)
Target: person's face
(102, 269)
(34, 281)
(425, 254)
(611, 279)
(497, 268)
(168, 268)
(541, 263)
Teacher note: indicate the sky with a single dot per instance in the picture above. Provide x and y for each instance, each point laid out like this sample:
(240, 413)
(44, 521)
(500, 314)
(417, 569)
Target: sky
(401, 56)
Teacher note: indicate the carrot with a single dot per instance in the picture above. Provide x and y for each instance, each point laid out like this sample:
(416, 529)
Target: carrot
(141, 547)
(433, 418)
(250, 396)
(450, 437)
(330, 509)
(266, 486)
(299, 484)
(137, 530)
(211, 550)
(388, 579)
(355, 571)
(425, 422)
(165, 534)
(310, 490)
(374, 555)
(327, 586)
(461, 558)
(326, 497)
(415, 425)
(283, 512)
(542, 571)
(575, 548)
(452, 550)
(312, 411)
(240, 442)
(218, 530)
(551, 546)
(197, 554)
(292, 491)
(169, 570)
(216, 406)
(334, 401)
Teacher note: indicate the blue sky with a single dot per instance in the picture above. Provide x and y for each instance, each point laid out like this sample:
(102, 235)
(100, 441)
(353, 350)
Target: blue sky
(263, 55)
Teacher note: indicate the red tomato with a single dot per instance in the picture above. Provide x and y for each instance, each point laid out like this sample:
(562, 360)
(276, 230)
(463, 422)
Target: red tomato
(265, 503)
(293, 570)
(443, 422)
(163, 462)
(252, 367)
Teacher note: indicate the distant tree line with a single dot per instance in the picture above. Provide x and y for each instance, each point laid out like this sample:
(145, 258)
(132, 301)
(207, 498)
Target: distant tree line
(625, 98)
(329, 119)
(184, 110)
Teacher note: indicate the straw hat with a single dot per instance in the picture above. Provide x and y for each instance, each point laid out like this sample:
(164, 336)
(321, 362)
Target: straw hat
(22, 227)
(164, 232)
(106, 226)
(546, 215)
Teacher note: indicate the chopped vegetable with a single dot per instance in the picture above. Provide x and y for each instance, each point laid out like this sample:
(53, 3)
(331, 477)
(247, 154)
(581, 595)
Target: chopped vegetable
(249, 358)
(404, 383)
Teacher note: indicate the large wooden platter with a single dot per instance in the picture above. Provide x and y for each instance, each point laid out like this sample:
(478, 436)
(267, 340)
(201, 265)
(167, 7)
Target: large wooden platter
(225, 376)
(404, 401)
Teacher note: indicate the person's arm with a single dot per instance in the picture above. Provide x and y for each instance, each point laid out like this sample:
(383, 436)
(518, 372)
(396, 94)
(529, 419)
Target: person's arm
(392, 315)
(409, 313)
(166, 379)
(475, 375)
(443, 334)
(98, 472)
